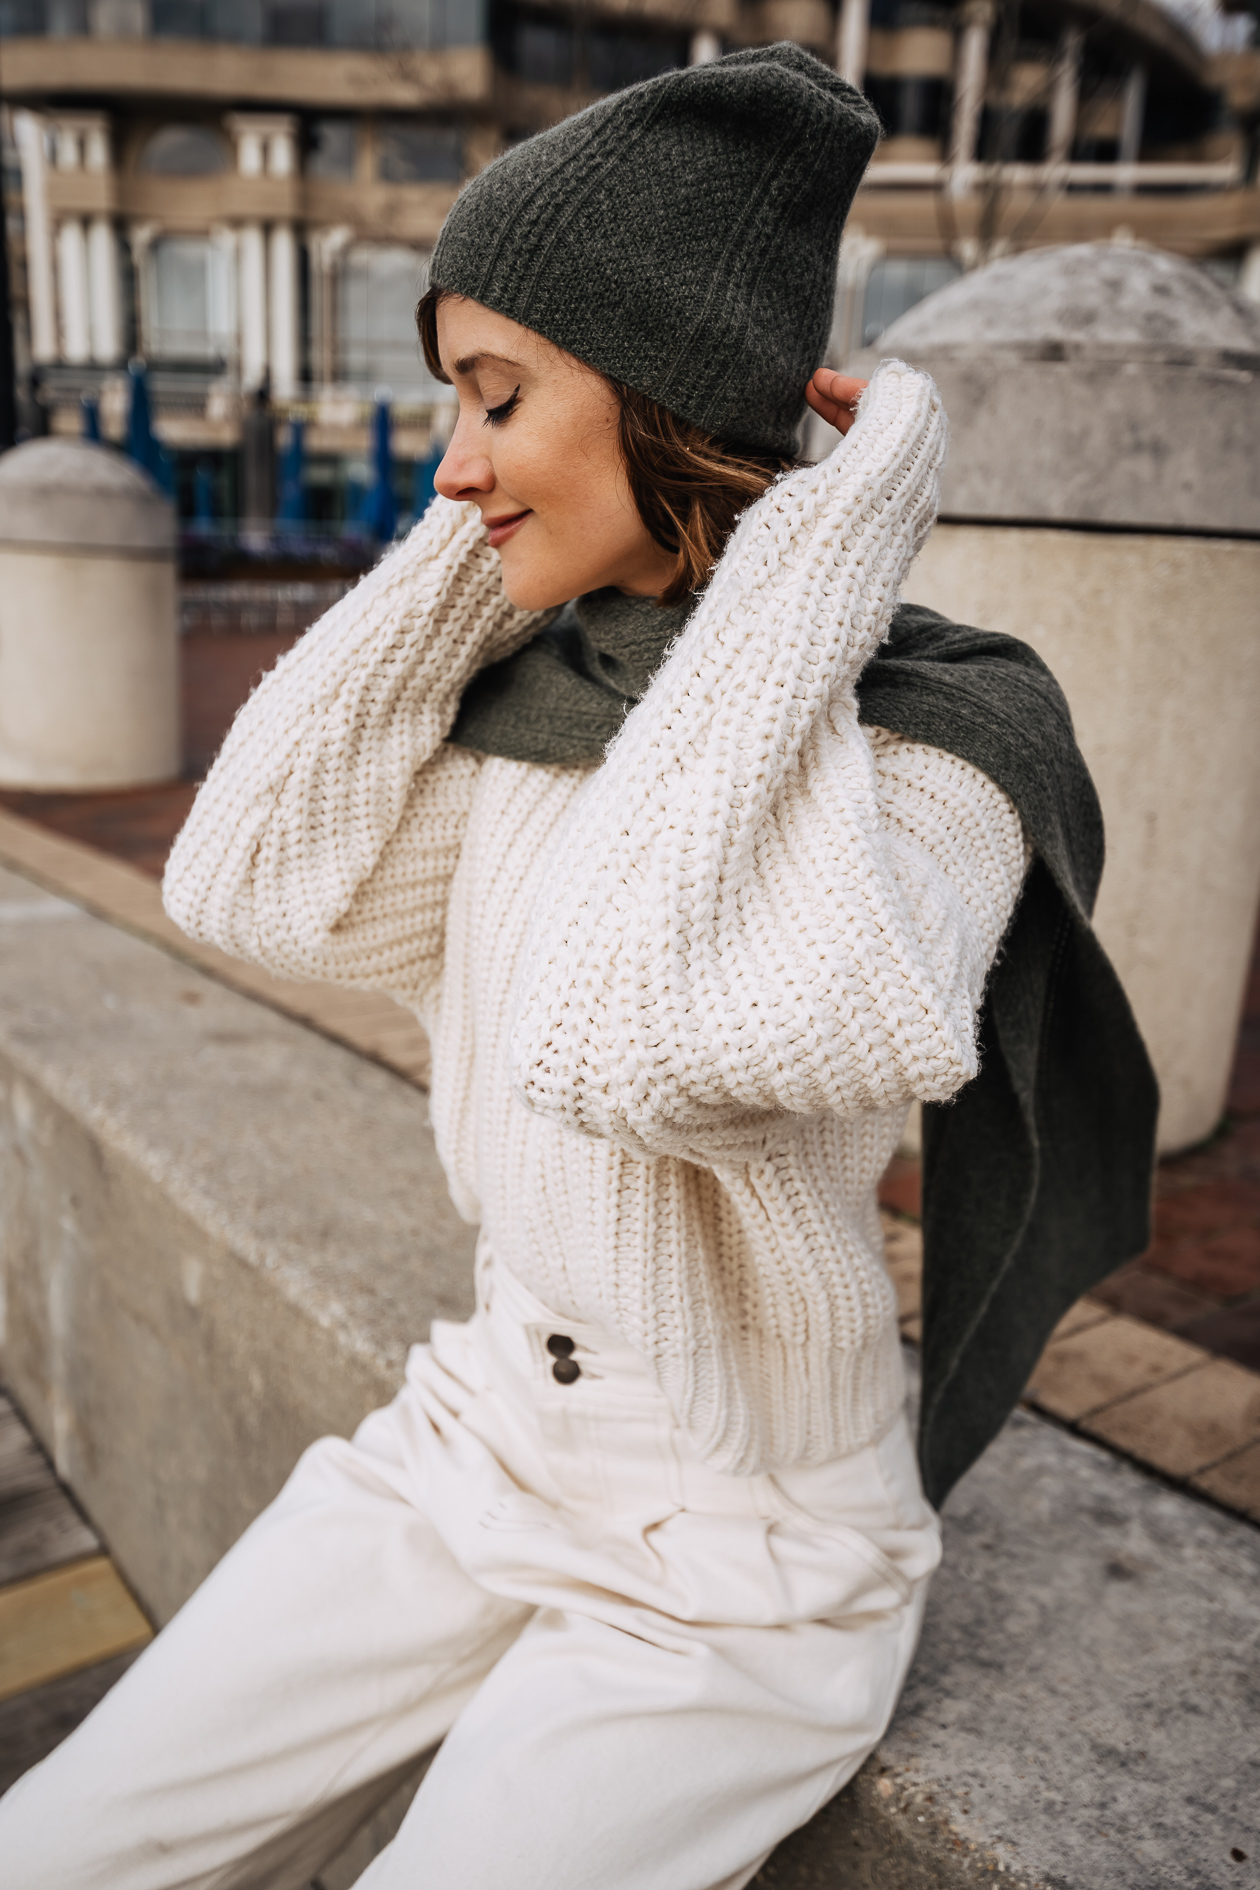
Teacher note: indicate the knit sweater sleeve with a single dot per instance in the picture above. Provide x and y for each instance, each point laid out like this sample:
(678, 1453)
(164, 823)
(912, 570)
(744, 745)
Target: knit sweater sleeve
(324, 840)
(759, 914)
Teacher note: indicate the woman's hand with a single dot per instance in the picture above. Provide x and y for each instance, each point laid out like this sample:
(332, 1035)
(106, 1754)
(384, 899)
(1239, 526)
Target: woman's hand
(835, 397)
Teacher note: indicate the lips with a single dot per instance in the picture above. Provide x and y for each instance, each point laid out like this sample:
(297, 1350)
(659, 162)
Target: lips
(501, 529)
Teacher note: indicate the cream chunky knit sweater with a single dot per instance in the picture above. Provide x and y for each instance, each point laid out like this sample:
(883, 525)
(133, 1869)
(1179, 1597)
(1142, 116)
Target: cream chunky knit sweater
(678, 1003)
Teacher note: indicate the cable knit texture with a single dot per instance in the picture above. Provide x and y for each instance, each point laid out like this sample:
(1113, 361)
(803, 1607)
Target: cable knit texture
(679, 1003)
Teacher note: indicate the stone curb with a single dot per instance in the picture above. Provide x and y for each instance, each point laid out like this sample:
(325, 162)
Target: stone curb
(372, 1024)
(1167, 1404)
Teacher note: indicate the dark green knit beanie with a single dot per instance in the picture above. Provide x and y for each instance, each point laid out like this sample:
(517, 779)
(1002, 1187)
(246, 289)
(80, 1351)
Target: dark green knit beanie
(680, 236)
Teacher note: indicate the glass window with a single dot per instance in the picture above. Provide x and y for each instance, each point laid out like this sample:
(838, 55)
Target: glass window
(188, 316)
(240, 20)
(185, 151)
(541, 50)
(419, 154)
(294, 23)
(459, 22)
(330, 147)
(179, 19)
(618, 59)
(378, 288)
(66, 17)
(909, 108)
(896, 283)
(18, 18)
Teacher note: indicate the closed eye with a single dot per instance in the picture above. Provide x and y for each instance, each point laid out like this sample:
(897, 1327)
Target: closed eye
(495, 416)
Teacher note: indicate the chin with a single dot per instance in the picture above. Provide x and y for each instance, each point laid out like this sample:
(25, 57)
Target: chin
(539, 590)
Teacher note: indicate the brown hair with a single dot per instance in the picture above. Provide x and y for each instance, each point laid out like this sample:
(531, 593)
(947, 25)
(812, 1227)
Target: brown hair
(689, 489)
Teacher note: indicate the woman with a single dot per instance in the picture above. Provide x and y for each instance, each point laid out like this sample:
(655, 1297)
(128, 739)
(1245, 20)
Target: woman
(644, 1542)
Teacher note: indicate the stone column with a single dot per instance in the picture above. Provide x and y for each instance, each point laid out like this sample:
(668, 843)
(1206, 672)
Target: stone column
(249, 147)
(282, 269)
(41, 292)
(1061, 131)
(327, 248)
(72, 291)
(104, 298)
(103, 261)
(1132, 113)
(969, 89)
(225, 304)
(853, 31)
(252, 305)
(282, 303)
(72, 262)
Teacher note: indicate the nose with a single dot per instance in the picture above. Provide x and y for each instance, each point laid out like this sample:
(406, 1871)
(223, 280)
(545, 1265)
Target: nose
(465, 470)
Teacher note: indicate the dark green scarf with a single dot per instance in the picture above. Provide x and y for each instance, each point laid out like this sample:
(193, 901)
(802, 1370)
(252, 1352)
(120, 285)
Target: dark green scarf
(1037, 1176)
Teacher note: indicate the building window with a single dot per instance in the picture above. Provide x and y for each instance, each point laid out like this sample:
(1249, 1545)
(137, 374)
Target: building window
(179, 19)
(21, 18)
(378, 288)
(896, 283)
(909, 108)
(543, 51)
(294, 23)
(616, 59)
(330, 148)
(552, 51)
(184, 151)
(419, 154)
(188, 307)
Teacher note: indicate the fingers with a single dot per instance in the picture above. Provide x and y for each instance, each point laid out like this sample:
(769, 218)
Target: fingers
(834, 396)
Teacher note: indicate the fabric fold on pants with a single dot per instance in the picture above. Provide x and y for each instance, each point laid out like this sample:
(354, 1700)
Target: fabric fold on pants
(646, 1672)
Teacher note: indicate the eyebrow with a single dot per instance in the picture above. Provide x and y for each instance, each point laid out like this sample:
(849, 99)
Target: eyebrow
(467, 362)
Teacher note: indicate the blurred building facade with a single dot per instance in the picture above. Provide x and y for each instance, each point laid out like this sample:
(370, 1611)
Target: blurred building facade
(244, 192)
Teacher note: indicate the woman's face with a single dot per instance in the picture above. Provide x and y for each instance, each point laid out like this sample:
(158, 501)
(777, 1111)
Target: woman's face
(536, 448)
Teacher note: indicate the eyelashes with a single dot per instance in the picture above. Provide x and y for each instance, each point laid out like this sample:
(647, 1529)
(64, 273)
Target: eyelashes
(495, 416)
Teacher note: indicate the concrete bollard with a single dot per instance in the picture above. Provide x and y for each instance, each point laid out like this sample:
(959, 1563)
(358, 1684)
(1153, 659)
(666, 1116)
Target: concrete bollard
(89, 694)
(1102, 501)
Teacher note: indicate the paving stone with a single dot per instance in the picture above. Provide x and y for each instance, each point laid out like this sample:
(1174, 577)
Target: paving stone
(1094, 1367)
(1196, 1213)
(1153, 1297)
(1186, 1424)
(72, 1617)
(33, 1723)
(40, 1528)
(1233, 1332)
(1235, 1481)
(1225, 1266)
(1079, 1318)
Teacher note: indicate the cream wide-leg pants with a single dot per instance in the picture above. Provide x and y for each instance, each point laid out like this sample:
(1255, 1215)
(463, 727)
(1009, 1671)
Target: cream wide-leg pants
(646, 1673)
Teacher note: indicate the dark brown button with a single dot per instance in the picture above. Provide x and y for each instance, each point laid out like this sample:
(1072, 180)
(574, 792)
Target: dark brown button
(559, 1345)
(566, 1371)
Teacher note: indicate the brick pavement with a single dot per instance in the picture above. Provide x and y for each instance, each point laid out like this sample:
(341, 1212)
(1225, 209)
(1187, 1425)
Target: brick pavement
(1200, 1278)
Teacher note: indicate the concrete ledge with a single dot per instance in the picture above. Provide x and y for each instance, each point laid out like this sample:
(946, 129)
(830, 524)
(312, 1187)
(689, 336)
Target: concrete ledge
(369, 1023)
(219, 1232)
